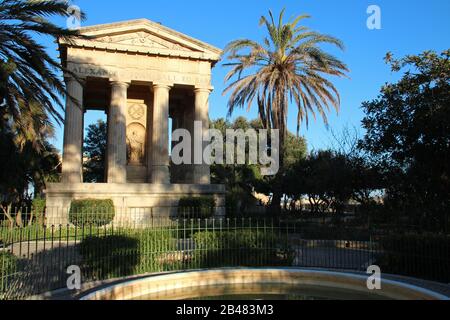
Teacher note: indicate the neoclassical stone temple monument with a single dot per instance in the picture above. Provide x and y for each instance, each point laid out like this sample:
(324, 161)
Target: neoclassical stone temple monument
(141, 74)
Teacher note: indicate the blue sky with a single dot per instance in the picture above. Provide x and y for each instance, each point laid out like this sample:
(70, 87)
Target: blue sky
(408, 27)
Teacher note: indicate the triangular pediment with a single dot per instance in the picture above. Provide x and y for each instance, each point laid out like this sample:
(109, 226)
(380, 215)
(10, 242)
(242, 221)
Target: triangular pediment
(144, 36)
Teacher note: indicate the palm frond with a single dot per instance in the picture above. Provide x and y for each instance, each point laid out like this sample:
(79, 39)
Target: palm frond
(287, 67)
(30, 78)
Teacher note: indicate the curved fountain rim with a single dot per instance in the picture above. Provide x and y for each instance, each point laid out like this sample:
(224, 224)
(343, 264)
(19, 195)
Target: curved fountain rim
(339, 274)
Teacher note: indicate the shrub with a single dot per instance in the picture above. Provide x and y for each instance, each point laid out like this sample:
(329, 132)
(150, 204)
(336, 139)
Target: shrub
(131, 253)
(240, 202)
(110, 256)
(196, 207)
(39, 205)
(241, 248)
(38, 208)
(91, 212)
(423, 256)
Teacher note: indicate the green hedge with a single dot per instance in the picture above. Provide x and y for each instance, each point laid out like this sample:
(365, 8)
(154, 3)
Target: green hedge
(38, 206)
(241, 248)
(196, 207)
(129, 253)
(422, 256)
(156, 250)
(91, 212)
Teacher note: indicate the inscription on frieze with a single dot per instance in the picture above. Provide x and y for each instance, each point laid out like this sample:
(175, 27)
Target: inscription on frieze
(145, 75)
(94, 72)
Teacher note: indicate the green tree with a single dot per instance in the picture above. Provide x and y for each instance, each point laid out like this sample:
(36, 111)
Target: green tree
(243, 180)
(329, 179)
(295, 150)
(408, 136)
(23, 169)
(325, 178)
(366, 180)
(240, 180)
(30, 79)
(95, 153)
(288, 66)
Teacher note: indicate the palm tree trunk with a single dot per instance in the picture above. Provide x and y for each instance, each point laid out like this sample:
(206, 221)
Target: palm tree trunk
(278, 182)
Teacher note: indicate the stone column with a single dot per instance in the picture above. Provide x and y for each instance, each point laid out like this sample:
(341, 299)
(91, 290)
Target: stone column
(72, 167)
(117, 140)
(188, 124)
(160, 137)
(202, 173)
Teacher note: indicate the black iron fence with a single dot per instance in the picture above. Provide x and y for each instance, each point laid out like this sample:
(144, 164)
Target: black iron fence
(36, 249)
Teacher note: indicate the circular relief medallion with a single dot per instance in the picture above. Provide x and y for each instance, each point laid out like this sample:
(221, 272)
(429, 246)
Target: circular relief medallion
(136, 111)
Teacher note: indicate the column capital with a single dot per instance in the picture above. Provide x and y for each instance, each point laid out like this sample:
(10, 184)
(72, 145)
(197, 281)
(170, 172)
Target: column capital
(203, 89)
(157, 85)
(117, 83)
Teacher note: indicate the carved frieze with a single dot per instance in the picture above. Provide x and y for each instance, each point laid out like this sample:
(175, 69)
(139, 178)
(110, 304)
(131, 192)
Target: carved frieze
(143, 39)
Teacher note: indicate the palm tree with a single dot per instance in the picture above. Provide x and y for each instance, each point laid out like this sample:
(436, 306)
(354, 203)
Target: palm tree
(30, 80)
(288, 67)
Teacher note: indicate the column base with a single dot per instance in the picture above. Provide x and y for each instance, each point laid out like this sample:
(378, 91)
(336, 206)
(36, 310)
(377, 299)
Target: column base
(160, 175)
(117, 175)
(71, 177)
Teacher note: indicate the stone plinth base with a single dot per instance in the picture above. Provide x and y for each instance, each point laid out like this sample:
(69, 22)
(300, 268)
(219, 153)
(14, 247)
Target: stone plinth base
(134, 203)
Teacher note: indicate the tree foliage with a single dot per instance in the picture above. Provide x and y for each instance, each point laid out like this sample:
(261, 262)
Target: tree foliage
(328, 180)
(242, 180)
(408, 136)
(23, 169)
(238, 179)
(95, 153)
(30, 79)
